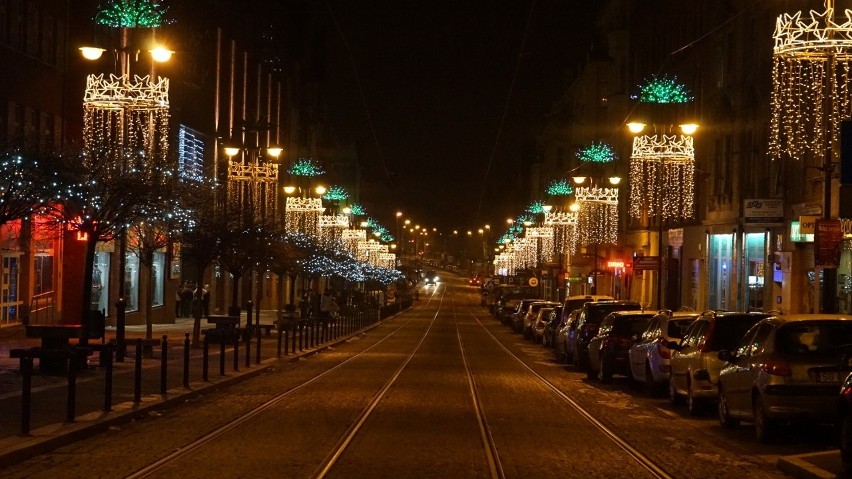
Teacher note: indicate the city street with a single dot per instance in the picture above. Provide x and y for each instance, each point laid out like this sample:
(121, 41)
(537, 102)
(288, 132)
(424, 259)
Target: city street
(442, 390)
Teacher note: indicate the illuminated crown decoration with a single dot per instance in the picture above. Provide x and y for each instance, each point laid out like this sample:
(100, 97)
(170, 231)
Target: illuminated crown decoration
(302, 215)
(662, 176)
(525, 251)
(811, 70)
(662, 90)
(331, 229)
(335, 193)
(564, 225)
(597, 152)
(560, 188)
(504, 264)
(252, 187)
(544, 246)
(352, 237)
(132, 14)
(387, 260)
(119, 91)
(597, 221)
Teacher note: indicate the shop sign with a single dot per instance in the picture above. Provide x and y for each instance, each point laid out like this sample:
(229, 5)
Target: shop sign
(533, 281)
(646, 263)
(827, 243)
(807, 224)
(616, 264)
(763, 212)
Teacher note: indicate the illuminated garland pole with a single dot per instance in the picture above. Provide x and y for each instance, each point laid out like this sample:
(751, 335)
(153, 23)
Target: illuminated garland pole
(809, 101)
(662, 166)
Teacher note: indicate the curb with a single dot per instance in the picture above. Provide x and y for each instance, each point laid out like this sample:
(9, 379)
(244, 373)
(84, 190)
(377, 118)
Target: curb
(804, 466)
(42, 440)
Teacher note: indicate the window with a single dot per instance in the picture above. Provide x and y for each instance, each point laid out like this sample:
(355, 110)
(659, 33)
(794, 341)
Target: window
(43, 271)
(190, 154)
(131, 281)
(158, 270)
(100, 281)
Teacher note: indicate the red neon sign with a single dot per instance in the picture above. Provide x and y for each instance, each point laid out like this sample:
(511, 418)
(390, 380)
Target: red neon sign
(615, 264)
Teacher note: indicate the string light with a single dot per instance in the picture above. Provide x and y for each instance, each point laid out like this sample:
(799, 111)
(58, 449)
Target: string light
(662, 177)
(301, 215)
(560, 188)
(662, 89)
(357, 209)
(535, 208)
(132, 14)
(305, 167)
(336, 193)
(597, 221)
(597, 153)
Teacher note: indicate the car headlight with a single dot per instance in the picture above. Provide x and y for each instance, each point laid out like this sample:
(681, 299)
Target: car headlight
(436, 279)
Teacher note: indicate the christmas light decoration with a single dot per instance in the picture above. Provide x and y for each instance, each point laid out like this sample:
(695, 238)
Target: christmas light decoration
(190, 154)
(132, 14)
(560, 188)
(305, 167)
(597, 153)
(662, 177)
(302, 215)
(525, 251)
(335, 193)
(811, 71)
(535, 208)
(351, 238)
(662, 89)
(564, 226)
(331, 229)
(544, 243)
(597, 221)
(357, 209)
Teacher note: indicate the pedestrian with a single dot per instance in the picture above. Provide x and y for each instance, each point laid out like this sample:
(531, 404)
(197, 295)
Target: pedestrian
(205, 300)
(325, 305)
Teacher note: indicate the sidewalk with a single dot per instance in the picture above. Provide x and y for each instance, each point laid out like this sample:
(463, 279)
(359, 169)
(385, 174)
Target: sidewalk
(48, 429)
(815, 465)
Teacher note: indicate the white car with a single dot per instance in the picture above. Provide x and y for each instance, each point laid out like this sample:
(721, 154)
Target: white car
(650, 356)
(532, 314)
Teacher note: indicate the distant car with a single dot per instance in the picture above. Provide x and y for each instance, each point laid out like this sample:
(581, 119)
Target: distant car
(474, 281)
(786, 367)
(540, 322)
(517, 318)
(608, 349)
(695, 363)
(507, 299)
(650, 356)
(430, 278)
(531, 316)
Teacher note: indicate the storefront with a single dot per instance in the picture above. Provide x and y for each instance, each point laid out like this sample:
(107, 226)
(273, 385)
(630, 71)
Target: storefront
(844, 270)
(720, 255)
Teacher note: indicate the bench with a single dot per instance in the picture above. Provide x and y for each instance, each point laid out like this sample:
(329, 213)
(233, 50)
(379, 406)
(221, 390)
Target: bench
(50, 361)
(224, 322)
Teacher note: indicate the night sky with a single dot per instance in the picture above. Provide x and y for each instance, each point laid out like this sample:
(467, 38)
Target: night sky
(435, 77)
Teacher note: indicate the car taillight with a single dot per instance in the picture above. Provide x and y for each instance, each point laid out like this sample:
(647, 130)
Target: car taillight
(776, 367)
(662, 350)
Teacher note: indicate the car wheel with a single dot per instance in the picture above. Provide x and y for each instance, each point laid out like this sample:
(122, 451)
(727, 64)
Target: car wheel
(846, 441)
(725, 418)
(764, 427)
(604, 374)
(693, 404)
(673, 396)
(650, 386)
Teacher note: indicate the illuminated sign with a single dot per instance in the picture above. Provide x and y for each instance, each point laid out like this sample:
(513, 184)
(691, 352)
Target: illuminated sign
(615, 264)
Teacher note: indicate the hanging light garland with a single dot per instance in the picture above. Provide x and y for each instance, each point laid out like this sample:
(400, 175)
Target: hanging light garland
(301, 215)
(662, 177)
(560, 188)
(564, 224)
(331, 229)
(305, 167)
(811, 61)
(662, 89)
(597, 152)
(597, 221)
(525, 251)
(544, 243)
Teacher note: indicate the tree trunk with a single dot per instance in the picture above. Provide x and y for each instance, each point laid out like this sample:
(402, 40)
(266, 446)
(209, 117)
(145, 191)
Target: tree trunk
(147, 259)
(235, 290)
(88, 268)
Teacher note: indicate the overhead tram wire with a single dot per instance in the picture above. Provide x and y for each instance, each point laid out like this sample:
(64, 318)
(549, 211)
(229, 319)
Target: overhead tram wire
(505, 110)
(363, 100)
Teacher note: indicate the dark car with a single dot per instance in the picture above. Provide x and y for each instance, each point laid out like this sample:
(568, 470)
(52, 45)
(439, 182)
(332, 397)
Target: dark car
(608, 349)
(844, 417)
(507, 302)
(588, 322)
(552, 327)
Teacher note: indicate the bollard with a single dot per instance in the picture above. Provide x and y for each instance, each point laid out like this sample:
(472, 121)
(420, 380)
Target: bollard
(108, 376)
(164, 365)
(248, 346)
(120, 342)
(205, 358)
(222, 354)
(301, 327)
(186, 361)
(71, 406)
(257, 351)
(249, 306)
(236, 351)
(287, 342)
(137, 380)
(26, 393)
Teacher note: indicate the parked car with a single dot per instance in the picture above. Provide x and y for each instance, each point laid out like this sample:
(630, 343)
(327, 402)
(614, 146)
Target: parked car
(695, 363)
(539, 323)
(844, 417)
(507, 299)
(517, 318)
(785, 367)
(590, 317)
(650, 356)
(565, 336)
(552, 327)
(608, 349)
(531, 315)
(577, 302)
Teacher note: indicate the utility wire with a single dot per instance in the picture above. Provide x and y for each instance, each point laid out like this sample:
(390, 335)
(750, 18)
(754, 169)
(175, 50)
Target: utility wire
(505, 111)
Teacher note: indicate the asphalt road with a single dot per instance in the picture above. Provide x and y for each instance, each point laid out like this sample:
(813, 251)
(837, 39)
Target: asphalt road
(442, 390)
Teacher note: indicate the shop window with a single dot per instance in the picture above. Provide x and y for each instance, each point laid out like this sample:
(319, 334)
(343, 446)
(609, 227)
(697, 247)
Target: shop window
(755, 252)
(100, 281)
(131, 281)
(43, 272)
(158, 280)
(719, 270)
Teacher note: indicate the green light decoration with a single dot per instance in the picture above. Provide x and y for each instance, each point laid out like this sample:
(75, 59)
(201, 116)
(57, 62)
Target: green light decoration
(597, 153)
(535, 208)
(560, 188)
(357, 209)
(507, 237)
(521, 219)
(336, 193)
(305, 167)
(132, 14)
(662, 89)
